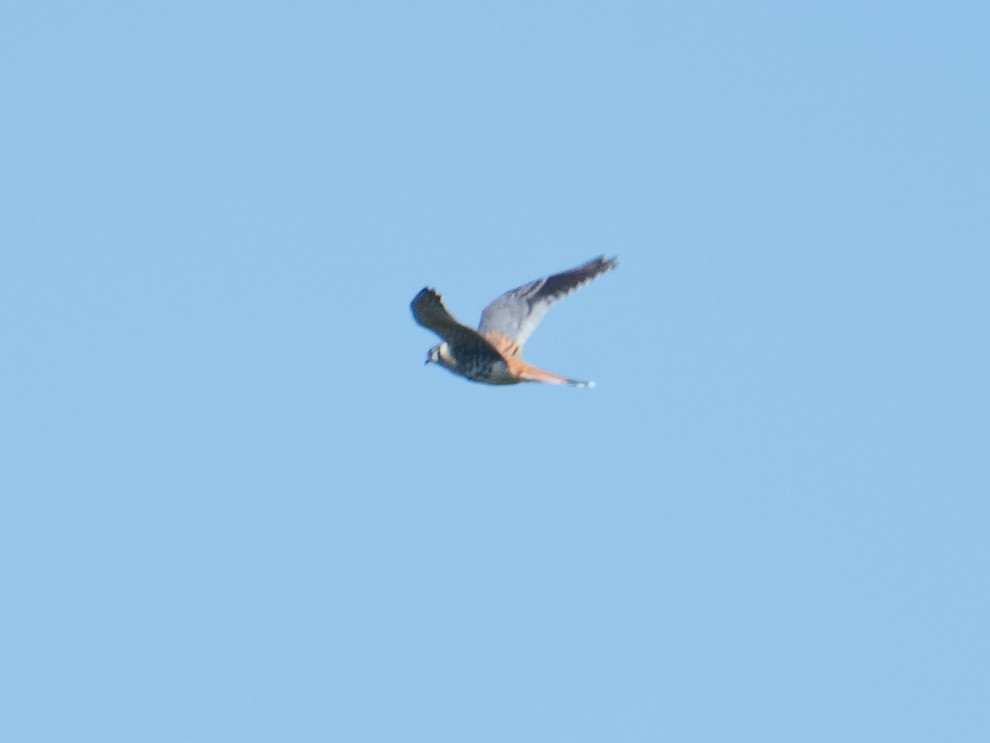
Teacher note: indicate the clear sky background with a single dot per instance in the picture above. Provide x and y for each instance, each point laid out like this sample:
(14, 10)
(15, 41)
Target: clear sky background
(237, 507)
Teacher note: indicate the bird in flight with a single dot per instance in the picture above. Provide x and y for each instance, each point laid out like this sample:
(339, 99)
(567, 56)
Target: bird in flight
(491, 353)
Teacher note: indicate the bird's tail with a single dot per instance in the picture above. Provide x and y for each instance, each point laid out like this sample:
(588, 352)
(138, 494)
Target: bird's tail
(530, 373)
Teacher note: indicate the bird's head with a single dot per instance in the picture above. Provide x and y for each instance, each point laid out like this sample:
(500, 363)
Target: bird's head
(434, 355)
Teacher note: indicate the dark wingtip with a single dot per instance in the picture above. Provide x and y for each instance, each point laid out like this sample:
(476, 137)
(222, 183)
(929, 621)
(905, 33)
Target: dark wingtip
(426, 291)
(600, 265)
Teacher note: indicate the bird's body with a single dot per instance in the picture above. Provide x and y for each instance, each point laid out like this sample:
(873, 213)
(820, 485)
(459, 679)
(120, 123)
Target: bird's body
(490, 354)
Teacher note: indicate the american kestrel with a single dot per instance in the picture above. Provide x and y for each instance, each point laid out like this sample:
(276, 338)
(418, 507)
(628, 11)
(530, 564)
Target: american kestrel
(490, 354)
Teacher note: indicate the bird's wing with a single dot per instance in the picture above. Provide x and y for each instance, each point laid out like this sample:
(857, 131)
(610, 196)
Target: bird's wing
(510, 319)
(429, 311)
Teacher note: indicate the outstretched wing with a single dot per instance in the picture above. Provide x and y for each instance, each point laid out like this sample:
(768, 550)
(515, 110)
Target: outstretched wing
(429, 311)
(511, 319)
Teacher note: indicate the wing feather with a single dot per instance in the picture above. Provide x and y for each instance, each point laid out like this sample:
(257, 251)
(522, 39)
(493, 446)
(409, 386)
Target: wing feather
(429, 311)
(516, 313)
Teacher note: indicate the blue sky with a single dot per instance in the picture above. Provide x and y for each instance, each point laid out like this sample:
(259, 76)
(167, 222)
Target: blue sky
(235, 504)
